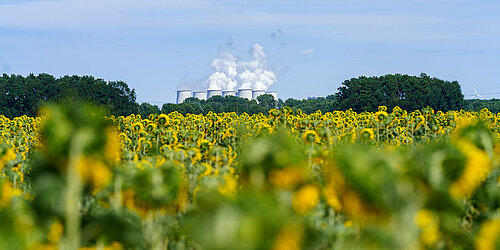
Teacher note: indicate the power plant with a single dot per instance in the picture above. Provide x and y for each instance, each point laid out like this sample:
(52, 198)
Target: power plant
(257, 93)
(213, 92)
(182, 95)
(228, 93)
(248, 94)
(233, 77)
(273, 93)
(245, 93)
(201, 95)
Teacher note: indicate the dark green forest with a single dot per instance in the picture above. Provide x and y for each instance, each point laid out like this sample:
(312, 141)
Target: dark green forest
(492, 105)
(407, 92)
(25, 95)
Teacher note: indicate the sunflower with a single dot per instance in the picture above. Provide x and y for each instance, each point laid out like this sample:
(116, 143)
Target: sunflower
(138, 126)
(366, 134)
(310, 136)
(381, 116)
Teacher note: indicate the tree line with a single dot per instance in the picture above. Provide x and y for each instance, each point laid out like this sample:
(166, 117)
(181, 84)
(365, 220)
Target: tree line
(25, 95)
(407, 92)
(492, 105)
(363, 94)
(219, 104)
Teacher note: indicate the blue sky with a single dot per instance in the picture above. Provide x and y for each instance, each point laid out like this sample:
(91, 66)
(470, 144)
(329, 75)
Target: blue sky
(156, 46)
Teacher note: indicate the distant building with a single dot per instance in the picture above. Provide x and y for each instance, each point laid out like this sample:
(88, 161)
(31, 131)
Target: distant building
(249, 94)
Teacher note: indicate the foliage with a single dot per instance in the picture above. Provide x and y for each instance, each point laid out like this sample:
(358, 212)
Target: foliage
(407, 92)
(358, 94)
(25, 95)
(146, 109)
(219, 104)
(308, 106)
(492, 105)
(286, 180)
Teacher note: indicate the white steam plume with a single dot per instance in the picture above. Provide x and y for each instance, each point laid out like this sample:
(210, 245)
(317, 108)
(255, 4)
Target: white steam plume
(225, 69)
(229, 72)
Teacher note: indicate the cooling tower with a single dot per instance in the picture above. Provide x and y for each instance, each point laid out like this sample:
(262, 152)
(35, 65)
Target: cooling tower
(273, 93)
(213, 92)
(245, 93)
(201, 95)
(228, 93)
(183, 95)
(257, 93)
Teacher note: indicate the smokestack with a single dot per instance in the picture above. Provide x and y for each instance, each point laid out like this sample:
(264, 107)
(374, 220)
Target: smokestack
(183, 95)
(213, 92)
(245, 93)
(257, 93)
(228, 93)
(201, 95)
(273, 93)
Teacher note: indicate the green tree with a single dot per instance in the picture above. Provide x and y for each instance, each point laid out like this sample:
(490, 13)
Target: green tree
(24, 95)
(267, 101)
(492, 105)
(145, 109)
(171, 107)
(407, 92)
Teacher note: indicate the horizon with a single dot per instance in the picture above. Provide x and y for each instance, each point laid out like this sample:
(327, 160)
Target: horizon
(471, 97)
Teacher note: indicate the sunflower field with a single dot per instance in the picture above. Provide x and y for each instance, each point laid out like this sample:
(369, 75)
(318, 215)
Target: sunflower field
(72, 178)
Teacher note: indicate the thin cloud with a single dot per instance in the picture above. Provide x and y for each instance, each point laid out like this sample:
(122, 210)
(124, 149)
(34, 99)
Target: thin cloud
(307, 51)
(394, 23)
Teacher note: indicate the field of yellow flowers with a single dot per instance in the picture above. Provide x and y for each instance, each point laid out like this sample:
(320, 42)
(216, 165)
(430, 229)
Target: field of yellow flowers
(75, 179)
